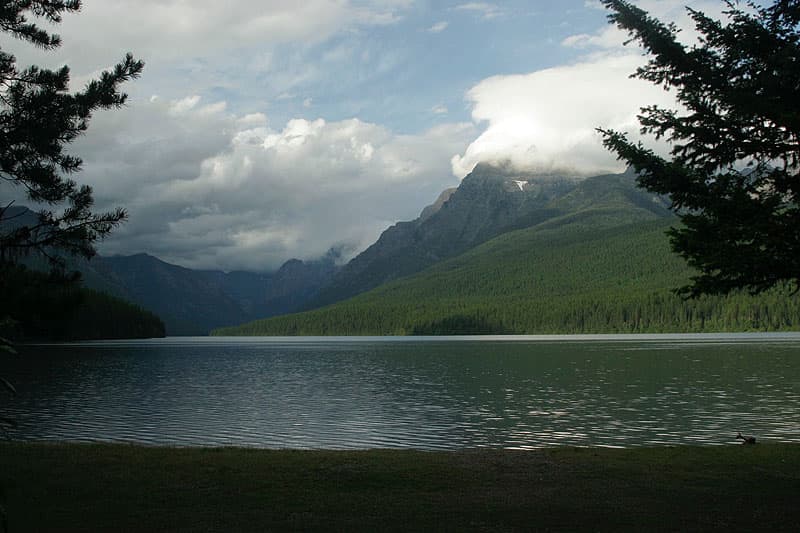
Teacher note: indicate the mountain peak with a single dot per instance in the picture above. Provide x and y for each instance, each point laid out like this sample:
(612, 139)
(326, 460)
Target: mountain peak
(511, 179)
(491, 200)
(434, 208)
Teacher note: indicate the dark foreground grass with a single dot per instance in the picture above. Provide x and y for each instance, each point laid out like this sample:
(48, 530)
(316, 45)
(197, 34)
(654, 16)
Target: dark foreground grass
(64, 487)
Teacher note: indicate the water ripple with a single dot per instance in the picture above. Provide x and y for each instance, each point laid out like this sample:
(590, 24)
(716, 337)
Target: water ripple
(425, 394)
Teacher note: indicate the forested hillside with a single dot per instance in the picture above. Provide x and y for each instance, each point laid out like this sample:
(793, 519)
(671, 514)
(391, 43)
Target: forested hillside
(488, 202)
(35, 307)
(600, 270)
(192, 302)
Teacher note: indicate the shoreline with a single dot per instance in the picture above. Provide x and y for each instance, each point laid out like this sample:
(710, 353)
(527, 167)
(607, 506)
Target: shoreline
(88, 487)
(738, 336)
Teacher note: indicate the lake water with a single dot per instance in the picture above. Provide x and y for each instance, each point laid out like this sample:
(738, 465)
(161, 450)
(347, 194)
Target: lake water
(426, 393)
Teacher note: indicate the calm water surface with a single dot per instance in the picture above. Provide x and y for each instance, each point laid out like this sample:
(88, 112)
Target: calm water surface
(428, 393)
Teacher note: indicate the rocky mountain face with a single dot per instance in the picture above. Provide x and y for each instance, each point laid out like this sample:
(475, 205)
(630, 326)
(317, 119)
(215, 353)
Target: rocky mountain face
(595, 259)
(490, 201)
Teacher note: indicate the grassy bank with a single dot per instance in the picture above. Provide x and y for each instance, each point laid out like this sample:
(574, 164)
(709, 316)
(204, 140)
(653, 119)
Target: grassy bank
(63, 487)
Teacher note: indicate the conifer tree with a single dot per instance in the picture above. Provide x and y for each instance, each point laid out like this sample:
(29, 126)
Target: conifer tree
(39, 117)
(735, 145)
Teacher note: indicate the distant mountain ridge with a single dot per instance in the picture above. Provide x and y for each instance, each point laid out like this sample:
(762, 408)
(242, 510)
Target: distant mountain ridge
(599, 263)
(489, 201)
(193, 302)
(190, 302)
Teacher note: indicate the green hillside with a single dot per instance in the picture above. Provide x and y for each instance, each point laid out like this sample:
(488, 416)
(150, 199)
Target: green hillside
(489, 202)
(36, 307)
(598, 270)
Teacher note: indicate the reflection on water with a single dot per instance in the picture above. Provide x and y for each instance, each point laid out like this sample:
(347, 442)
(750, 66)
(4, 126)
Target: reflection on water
(422, 393)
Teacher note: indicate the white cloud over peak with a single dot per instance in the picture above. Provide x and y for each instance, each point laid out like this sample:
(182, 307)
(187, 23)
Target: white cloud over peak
(547, 120)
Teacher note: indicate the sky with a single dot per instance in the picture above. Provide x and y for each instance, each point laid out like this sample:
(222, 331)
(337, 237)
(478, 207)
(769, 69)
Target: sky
(265, 130)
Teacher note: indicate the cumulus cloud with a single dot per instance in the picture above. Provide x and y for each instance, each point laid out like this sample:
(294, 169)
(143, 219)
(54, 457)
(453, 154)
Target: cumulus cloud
(207, 180)
(206, 188)
(546, 120)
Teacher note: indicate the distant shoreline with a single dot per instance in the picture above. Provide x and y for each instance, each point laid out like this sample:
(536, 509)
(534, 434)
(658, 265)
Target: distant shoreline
(577, 337)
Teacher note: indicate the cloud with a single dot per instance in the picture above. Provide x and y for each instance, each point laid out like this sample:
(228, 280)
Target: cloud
(165, 32)
(611, 38)
(438, 27)
(207, 188)
(486, 10)
(211, 182)
(546, 120)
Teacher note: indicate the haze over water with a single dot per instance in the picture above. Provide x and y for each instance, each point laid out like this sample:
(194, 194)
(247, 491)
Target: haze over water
(425, 393)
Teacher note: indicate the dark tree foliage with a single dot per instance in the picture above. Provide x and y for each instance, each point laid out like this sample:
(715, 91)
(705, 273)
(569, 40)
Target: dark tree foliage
(735, 146)
(42, 307)
(39, 116)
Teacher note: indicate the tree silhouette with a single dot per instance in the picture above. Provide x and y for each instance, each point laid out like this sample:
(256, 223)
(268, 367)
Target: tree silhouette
(735, 146)
(39, 116)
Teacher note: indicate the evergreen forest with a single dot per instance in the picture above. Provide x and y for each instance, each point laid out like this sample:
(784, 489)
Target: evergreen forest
(38, 306)
(584, 273)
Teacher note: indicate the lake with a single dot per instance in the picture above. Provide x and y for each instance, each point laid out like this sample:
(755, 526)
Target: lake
(425, 393)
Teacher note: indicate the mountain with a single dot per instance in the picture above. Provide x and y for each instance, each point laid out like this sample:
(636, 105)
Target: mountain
(489, 202)
(38, 306)
(297, 282)
(190, 302)
(15, 216)
(193, 302)
(595, 260)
